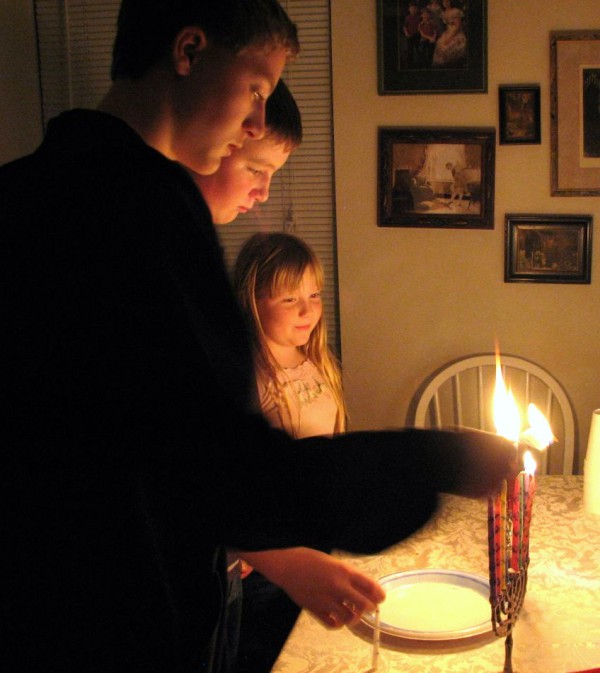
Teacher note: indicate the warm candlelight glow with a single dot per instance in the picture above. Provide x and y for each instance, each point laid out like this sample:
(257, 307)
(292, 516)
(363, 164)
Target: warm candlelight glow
(529, 463)
(539, 435)
(506, 412)
(507, 417)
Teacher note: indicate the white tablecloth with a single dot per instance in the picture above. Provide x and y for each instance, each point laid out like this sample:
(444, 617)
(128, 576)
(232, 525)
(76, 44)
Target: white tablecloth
(558, 630)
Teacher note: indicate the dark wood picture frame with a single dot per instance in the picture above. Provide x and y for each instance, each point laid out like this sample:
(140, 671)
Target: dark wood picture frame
(452, 59)
(436, 177)
(519, 114)
(548, 248)
(574, 112)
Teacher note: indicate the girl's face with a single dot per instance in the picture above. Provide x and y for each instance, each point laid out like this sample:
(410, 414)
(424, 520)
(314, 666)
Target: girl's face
(242, 179)
(288, 318)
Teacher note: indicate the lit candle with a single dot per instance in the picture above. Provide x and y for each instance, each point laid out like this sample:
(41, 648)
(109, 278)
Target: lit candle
(516, 524)
(523, 488)
(376, 636)
(509, 512)
(492, 540)
(530, 467)
(508, 424)
(504, 542)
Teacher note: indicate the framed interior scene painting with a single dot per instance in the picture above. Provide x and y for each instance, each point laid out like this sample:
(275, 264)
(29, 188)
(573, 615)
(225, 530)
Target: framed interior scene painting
(519, 114)
(575, 112)
(548, 248)
(432, 46)
(436, 177)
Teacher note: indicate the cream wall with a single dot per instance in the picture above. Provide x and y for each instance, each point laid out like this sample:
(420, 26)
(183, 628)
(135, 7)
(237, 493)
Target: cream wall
(412, 299)
(20, 116)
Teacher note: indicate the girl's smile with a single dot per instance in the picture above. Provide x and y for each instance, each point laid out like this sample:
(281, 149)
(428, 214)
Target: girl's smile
(289, 317)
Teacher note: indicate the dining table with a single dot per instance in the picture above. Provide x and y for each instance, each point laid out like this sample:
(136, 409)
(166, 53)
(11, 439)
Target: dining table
(558, 626)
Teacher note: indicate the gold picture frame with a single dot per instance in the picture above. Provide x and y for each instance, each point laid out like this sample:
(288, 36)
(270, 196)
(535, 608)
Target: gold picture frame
(575, 112)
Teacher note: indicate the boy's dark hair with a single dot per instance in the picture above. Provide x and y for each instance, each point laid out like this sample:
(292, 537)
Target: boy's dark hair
(146, 29)
(282, 117)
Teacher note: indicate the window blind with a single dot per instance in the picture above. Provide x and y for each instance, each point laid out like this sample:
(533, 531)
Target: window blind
(75, 39)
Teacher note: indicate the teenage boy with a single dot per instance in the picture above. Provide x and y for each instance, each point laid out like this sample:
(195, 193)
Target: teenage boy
(244, 177)
(129, 445)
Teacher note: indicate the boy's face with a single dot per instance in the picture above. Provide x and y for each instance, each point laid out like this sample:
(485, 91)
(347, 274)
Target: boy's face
(221, 103)
(242, 179)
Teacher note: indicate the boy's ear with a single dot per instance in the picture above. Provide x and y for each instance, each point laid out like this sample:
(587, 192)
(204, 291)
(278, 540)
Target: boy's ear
(188, 44)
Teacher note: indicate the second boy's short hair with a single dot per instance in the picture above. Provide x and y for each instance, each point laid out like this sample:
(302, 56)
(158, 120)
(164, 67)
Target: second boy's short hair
(283, 118)
(146, 29)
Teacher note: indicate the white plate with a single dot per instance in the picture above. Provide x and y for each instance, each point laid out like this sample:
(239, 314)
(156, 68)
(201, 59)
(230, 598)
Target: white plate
(434, 605)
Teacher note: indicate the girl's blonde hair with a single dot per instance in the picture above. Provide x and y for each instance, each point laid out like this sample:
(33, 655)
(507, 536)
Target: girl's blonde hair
(268, 264)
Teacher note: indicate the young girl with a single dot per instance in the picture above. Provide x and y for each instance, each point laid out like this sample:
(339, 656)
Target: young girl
(278, 281)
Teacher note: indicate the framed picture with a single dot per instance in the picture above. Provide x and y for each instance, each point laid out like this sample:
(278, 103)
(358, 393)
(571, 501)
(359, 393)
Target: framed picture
(575, 112)
(548, 248)
(519, 114)
(435, 46)
(436, 177)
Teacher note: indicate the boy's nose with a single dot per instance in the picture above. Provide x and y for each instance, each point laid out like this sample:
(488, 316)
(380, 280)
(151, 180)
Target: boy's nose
(262, 194)
(254, 125)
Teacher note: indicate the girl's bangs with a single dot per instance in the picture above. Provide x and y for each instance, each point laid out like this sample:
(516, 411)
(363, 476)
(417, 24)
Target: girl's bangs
(289, 277)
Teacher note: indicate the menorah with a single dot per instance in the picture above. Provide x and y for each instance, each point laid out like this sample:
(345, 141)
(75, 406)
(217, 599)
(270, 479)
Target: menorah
(509, 520)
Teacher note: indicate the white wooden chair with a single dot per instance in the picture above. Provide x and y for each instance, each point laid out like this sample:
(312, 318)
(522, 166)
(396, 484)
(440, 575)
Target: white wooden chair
(460, 394)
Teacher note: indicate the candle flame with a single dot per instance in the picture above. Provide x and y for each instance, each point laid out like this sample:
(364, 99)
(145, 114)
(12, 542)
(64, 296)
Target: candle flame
(506, 413)
(539, 434)
(507, 418)
(529, 463)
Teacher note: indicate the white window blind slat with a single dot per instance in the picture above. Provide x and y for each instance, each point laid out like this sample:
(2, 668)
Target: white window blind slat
(75, 39)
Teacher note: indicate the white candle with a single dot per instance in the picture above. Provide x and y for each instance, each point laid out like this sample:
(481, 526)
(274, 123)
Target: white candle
(591, 470)
(376, 635)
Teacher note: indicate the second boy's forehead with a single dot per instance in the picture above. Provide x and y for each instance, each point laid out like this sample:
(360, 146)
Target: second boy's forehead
(269, 152)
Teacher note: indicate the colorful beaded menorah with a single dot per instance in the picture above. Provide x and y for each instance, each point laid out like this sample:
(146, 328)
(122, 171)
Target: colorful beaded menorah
(509, 519)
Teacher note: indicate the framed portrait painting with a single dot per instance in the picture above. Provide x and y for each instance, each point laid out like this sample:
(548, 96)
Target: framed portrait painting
(575, 112)
(432, 46)
(436, 177)
(548, 248)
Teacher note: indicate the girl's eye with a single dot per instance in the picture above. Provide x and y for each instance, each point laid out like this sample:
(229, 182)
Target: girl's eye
(255, 171)
(315, 295)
